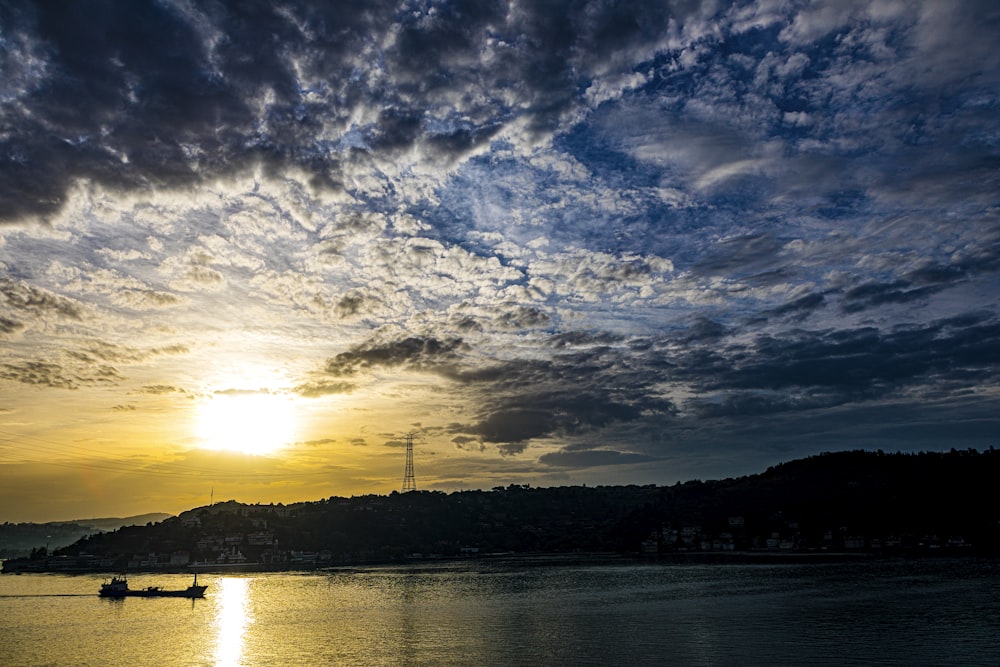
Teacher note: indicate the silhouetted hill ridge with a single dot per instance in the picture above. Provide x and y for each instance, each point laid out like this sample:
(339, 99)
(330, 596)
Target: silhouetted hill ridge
(18, 539)
(855, 501)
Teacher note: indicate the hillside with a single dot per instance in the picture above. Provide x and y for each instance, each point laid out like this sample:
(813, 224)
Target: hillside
(19, 539)
(849, 501)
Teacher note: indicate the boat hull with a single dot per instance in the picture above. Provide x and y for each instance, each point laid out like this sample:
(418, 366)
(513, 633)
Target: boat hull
(193, 592)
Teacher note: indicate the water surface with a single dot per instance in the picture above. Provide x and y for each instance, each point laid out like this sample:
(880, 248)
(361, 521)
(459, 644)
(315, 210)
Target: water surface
(520, 612)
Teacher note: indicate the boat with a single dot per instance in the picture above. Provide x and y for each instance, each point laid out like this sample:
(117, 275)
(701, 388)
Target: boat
(118, 588)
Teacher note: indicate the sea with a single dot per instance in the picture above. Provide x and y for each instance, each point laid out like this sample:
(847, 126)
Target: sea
(521, 611)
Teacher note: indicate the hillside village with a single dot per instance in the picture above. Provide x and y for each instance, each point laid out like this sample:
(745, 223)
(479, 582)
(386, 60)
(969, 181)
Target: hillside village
(868, 503)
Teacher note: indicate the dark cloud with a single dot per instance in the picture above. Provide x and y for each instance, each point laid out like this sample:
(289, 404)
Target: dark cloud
(522, 399)
(8, 326)
(164, 389)
(324, 388)
(468, 443)
(94, 352)
(804, 370)
(745, 257)
(702, 330)
(49, 374)
(203, 275)
(753, 403)
(103, 375)
(625, 229)
(801, 307)
(591, 458)
(582, 338)
(38, 373)
(939, 274)
(922, 282)
(116, 81)
(874, 294)
(154, 95)
(569, 395)
(413, 352)
(24, 298)
(523, 317)
(350, 304)
(149, 299)
(317, 443)
(512, 448)
(516, 425)
(799, 372)
(467, 325)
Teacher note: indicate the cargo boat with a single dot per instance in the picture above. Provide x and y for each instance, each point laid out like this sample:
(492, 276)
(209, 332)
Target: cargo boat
(118, 588)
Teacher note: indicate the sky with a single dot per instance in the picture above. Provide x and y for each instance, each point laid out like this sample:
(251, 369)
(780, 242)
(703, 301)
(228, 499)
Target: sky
(245, 247)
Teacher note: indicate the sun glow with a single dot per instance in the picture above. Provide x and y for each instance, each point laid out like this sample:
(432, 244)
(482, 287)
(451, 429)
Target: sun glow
(251, 423)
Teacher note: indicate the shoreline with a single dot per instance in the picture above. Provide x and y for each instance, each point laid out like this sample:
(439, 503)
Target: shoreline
(537, 559)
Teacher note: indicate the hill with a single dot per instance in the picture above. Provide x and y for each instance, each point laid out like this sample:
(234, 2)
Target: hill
(858, 501)
(113, 523)
(19, 539)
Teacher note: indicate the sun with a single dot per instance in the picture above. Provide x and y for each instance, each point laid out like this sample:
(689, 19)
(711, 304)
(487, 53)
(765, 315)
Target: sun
(250, 423)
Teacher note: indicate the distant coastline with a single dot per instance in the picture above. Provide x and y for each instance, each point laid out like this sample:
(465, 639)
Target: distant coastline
(837, 506)
(761, 557)
(20, 539)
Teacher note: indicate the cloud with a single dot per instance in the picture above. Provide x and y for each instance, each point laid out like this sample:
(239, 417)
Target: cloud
(468, 443)
(513, 425)
(412, 352)
(509, 449)
(8, 326)
(28, 300)
(521, 400)
(163, 96)
(523, 317)
(876, 294)
(591, 458)
(38, 373)
(800, 307)
(147, 299)
(96, 351)
(567, 235)
(318, 442)
(804, 370)
(324, 388)
(350, 304)
(242, 392)
(583, 339)
(162, 389)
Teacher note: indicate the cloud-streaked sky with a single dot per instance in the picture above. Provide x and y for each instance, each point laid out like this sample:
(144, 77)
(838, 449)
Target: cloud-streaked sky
(566, 242)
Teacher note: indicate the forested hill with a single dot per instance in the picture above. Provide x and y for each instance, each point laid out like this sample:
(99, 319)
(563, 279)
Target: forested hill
(853, 501)
(18, 539)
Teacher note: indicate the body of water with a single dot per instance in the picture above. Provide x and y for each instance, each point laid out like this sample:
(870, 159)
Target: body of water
(520, 612)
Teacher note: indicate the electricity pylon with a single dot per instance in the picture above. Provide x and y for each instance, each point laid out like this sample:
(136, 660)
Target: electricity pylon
(409, 481)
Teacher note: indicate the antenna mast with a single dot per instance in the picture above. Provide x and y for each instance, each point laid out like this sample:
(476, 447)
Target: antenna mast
(409, 481)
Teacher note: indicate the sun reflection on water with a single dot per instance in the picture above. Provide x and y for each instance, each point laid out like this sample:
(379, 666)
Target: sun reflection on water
(232, 620)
